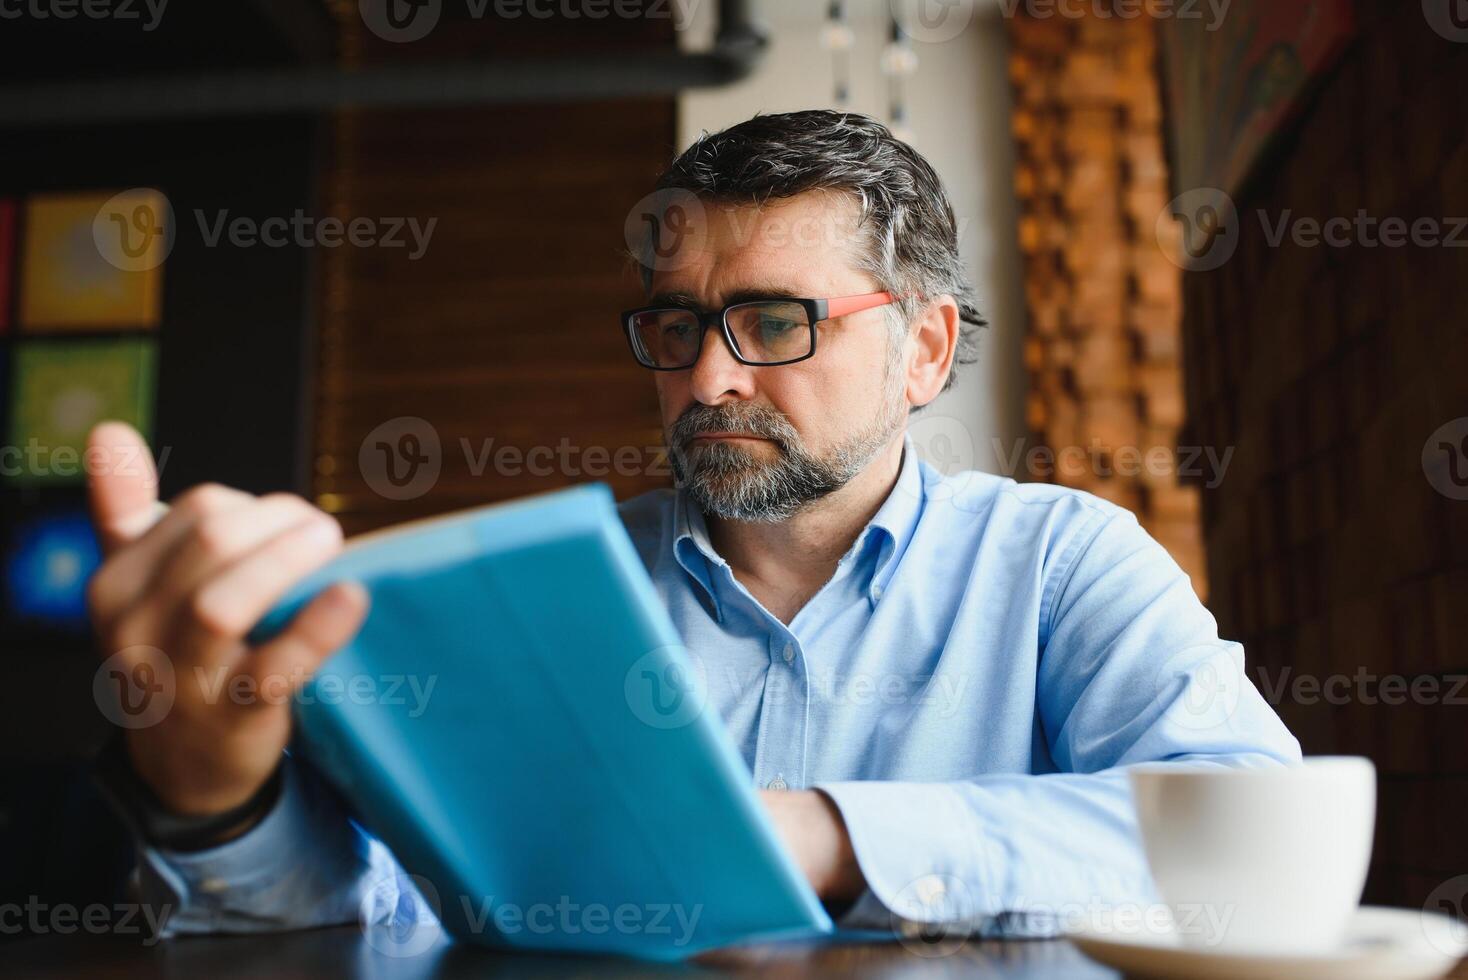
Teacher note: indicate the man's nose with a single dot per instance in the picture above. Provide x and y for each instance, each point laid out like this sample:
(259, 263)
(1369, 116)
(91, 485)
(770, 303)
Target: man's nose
(717, 376)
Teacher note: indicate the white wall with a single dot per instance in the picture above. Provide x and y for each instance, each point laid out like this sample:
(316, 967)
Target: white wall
(958, 117)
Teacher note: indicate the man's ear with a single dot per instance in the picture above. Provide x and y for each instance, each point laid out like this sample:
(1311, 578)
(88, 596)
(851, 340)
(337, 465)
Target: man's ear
(934, 339)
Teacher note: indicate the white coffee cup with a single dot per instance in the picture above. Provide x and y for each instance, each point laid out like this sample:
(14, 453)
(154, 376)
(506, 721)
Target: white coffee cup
(1259, 860)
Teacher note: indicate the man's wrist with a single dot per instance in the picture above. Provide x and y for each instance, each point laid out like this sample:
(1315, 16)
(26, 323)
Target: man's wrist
(157, 825)
(812, 827)
(843, 881)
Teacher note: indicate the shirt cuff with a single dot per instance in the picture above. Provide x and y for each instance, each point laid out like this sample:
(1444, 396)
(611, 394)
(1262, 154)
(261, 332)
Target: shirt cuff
(917, 847)
(300, 866)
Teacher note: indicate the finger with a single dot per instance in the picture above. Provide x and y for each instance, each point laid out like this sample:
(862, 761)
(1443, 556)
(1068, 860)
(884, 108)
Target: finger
(326, 624)
(128, 573)
(229, 604)
(122, 484)
(220, 539)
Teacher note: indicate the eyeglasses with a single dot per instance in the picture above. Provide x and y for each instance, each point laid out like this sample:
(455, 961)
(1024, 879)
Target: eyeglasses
(760, 333)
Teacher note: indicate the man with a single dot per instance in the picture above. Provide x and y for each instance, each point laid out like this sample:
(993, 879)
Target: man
(935, 681)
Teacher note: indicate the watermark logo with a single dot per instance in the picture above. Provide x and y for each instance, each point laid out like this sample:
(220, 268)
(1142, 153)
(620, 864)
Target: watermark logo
(1447, 908)
(400, 21)
(932, 21)
(1448, 17)
(39, 918)
(934, 915)
(401, 459)
(1445, 459)
(1211, 12)
(1362, 687)
(1206, 465)
(148, 12)
(945, 444)
(1201, 686)
(305, 231)
(666, 687)
(1199, 229)
(664, 229)
(404, 21)
(134, 230)
(135, 687)
(393, 916)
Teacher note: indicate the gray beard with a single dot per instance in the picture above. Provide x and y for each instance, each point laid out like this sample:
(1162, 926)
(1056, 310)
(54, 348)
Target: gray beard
(728, 481)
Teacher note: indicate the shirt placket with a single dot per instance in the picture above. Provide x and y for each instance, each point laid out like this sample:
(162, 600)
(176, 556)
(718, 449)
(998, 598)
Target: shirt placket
(784, 714)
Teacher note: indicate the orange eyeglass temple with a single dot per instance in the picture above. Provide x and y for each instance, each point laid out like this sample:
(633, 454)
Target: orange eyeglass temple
(842, 305)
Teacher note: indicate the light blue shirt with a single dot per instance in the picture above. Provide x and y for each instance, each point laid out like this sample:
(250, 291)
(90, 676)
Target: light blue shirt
(968, 688)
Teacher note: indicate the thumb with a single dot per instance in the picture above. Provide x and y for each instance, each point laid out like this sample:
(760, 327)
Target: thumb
(122, 484)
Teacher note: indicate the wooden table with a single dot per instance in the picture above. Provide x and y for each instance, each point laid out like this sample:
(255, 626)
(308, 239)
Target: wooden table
(344, 952)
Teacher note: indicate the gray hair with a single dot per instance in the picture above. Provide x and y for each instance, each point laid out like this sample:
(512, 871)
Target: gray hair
(911, 241)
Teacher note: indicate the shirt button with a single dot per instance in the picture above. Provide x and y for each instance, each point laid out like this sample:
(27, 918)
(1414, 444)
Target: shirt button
(789, 654)
(777, 783)
(876, 592)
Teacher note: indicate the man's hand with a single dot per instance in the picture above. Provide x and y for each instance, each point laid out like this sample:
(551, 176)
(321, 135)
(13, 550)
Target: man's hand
(191, 581)
(813, 830)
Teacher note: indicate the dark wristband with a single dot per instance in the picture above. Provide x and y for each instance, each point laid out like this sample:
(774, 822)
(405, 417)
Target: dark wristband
(153, 822)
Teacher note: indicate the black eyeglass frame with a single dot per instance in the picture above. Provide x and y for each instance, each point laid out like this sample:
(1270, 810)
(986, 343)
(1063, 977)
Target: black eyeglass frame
(816, 311)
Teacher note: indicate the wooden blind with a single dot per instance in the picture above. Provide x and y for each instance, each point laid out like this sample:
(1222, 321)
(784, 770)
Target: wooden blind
(503, 336)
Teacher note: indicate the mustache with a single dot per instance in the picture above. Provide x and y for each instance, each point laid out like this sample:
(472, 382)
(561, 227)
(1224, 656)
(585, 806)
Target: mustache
(749, 418)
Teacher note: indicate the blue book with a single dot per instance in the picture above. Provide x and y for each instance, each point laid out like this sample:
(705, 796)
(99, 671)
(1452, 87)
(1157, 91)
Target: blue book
(519, 721)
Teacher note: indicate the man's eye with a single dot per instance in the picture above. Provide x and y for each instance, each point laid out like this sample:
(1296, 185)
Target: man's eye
(775, 326)
(679, 330)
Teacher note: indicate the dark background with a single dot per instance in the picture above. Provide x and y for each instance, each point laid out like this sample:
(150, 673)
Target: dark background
(1326, 550)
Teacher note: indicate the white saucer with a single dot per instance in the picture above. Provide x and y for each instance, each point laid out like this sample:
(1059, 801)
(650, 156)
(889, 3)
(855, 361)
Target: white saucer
(1382, 944)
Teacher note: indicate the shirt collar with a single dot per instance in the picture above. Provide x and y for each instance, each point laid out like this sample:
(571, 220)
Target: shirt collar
(896, 520)
(693, 549)
(888, 533)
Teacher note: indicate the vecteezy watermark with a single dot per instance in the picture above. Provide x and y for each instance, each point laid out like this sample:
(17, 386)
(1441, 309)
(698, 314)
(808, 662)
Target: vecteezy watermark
(667, 229)
(1445, 459)
(565, 458)
(1363, 230)
(134, 230)
(1200, 230)
(148, 13)
(405, 21)
(1448, 17)
(674, 920)
(35, 917)
(410, 691)
(1362, 687)
(934, 915)
(1447, 908)
(1213, 12)
(305, 231)
(1200, 687)
(1200, 922)
(37, 459)
(400, 916)
(1204, 464)
(939, 694)
(932, 21)
(135, 687)
(402, 459)
(666, 687)
(138, 687)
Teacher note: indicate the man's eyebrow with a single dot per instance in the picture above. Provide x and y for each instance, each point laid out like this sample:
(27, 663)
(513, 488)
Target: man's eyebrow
(746, 295)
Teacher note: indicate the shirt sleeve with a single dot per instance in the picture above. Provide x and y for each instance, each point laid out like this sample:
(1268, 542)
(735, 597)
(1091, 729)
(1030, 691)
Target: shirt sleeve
(1131, 670)
(305, 864)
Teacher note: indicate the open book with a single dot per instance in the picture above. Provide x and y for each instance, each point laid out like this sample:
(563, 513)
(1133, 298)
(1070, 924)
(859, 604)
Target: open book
(520, 723)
